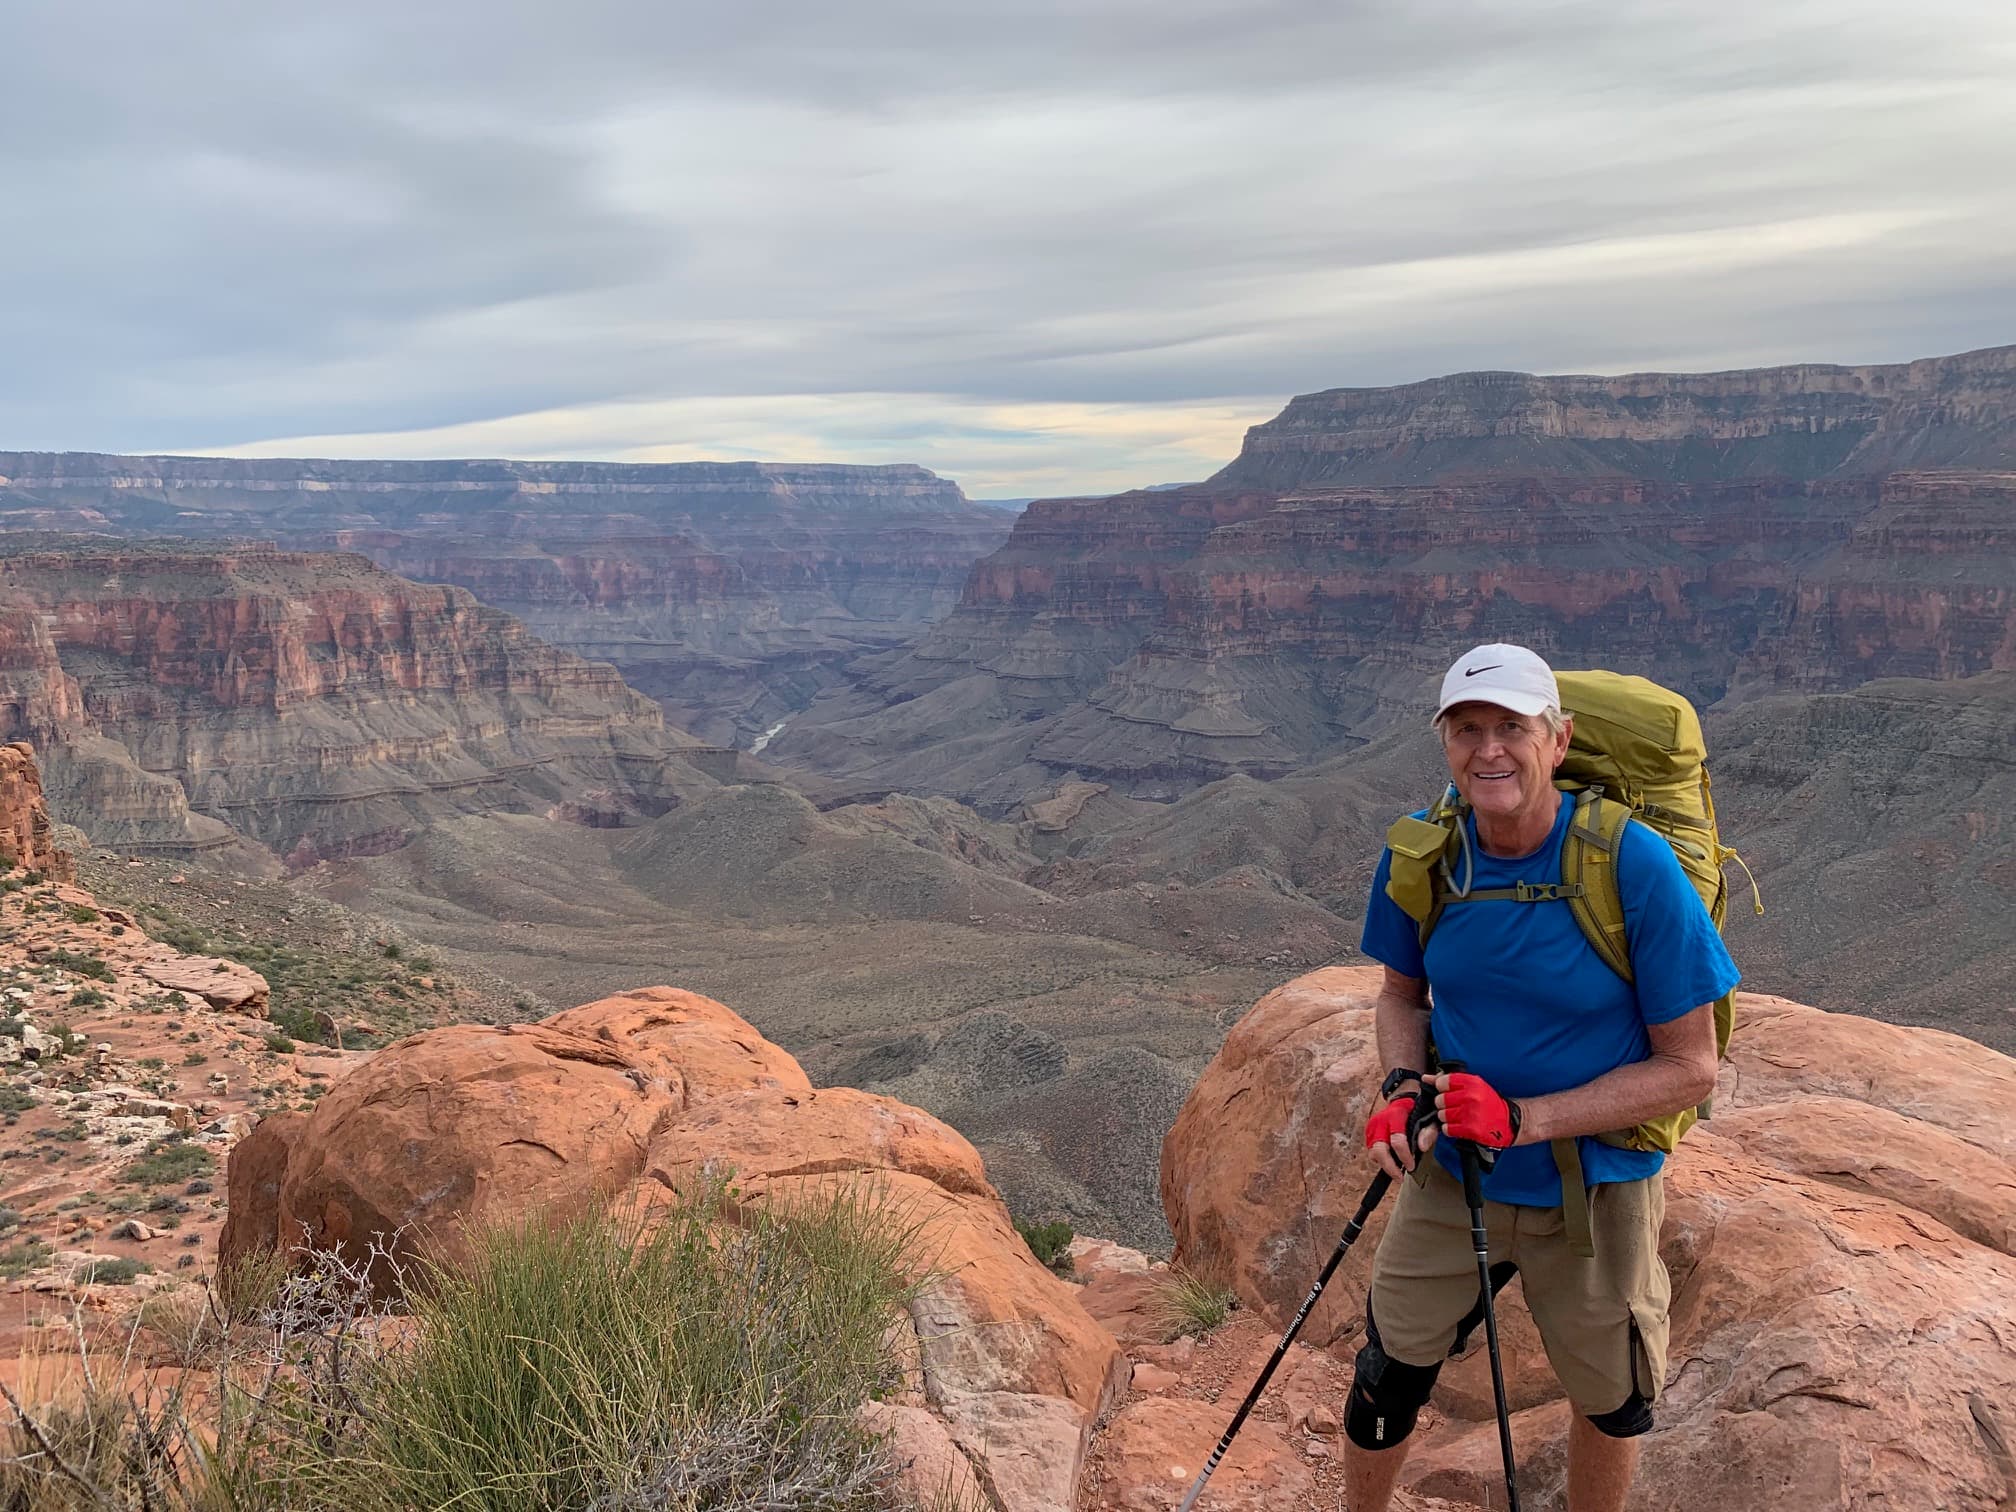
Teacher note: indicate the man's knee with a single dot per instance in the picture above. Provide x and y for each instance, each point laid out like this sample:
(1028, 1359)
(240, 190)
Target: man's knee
(1387, 1395)
(1628, 1421)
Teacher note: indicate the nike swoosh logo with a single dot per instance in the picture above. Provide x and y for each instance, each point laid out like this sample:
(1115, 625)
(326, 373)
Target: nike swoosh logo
(1473, 671)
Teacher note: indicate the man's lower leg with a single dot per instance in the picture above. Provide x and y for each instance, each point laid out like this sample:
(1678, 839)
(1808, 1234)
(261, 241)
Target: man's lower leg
(1370, 1474)
(1599, 1468)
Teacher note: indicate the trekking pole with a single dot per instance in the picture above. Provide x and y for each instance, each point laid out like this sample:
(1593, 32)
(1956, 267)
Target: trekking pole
(1373, 1194)
(1473, 1194)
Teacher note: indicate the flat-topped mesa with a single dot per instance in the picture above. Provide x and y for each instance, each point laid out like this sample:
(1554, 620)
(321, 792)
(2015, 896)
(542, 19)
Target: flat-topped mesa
(190, 696)
(1812, 420)
(282, 485)
(729, 591)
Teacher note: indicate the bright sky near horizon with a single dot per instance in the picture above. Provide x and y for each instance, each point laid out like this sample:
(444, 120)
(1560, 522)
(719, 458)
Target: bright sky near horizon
(1060, 246)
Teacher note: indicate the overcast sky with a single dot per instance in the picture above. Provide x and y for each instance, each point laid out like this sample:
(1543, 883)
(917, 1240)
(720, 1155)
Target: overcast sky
(1053, 246)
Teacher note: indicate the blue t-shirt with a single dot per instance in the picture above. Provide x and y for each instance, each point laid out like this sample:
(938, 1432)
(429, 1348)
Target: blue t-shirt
(1521, 996)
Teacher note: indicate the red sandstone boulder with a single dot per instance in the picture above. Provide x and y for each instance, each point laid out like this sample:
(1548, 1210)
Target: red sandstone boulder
(454, 1125)
(257, 1169)
(692, 1043)
(224, 985)
(1844, 1322)
(1009, 1359)
(653, 1092)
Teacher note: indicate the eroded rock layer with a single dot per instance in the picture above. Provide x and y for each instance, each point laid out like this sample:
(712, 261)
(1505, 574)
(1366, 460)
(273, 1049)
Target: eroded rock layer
(305, 706)
(1806, 421)
(1158, 640)
(729, 591)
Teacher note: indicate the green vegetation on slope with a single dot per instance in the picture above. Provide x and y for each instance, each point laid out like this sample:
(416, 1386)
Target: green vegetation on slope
(682, 1361)
(326, 966)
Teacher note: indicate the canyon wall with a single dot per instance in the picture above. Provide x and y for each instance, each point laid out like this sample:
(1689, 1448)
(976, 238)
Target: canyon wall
(296, 705)
(1811, 420)
(731, 592)
(1303, 601)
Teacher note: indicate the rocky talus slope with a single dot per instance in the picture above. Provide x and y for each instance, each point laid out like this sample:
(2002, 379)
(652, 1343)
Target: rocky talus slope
(1842, 1240)
(731, 592)
(286, 706)
(1800, 529)
(129, 1069)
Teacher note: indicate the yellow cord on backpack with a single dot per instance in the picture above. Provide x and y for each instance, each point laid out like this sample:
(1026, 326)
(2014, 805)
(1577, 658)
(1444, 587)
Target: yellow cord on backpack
(1756, 896)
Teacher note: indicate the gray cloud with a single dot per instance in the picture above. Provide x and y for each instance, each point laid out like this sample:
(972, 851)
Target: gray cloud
(230, 224)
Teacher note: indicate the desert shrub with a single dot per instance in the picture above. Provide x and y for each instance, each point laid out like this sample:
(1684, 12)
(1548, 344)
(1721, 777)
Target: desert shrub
(88, 997)
(166, 1160)
(186, 938)
(589, 1365)
(1187, 1303)
(17, 1100)
(19, 1259)
(1048, 1242)
(298, 1022)
(78, 964)
(118, 1272)
(279, 1044)
(79, 914)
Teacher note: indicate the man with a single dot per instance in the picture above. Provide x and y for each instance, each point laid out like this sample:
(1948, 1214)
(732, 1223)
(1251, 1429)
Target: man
(1555, 1045)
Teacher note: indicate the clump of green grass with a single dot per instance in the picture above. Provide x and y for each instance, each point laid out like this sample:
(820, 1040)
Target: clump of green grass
(592, 1365)
(279, 1044)
(1186, 1303)
(79, 914)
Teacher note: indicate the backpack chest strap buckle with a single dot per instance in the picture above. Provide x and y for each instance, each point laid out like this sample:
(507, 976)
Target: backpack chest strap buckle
(1547, 892)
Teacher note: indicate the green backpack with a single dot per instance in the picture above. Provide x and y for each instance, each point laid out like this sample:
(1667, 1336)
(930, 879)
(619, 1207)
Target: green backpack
(1637, 753)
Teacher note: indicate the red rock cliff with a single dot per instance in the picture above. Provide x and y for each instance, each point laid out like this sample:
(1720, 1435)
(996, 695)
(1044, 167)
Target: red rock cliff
(310, 703)
(27, 838)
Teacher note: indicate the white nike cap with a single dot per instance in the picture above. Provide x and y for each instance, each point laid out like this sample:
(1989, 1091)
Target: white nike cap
(1509, 676)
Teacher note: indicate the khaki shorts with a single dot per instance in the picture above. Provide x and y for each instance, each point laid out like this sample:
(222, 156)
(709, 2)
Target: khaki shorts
(1603, 1320)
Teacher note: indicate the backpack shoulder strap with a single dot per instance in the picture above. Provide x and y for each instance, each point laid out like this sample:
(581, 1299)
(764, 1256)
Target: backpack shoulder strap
(1589, 876)
(1418, 872)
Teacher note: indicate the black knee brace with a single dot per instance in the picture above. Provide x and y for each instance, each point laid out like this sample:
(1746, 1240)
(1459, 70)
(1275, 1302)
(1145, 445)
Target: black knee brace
(1387, 1395)
(1628, 1421)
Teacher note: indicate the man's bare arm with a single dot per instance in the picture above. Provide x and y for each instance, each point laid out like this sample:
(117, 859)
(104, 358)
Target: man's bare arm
(1679, 1074)
(1400, 1021)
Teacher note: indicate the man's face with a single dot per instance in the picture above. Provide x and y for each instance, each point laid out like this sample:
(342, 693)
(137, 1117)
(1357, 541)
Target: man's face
(1502, 763)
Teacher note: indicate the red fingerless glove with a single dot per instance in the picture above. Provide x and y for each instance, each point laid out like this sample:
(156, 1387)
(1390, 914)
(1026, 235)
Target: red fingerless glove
(1472, 1110)
(1388, 1121)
